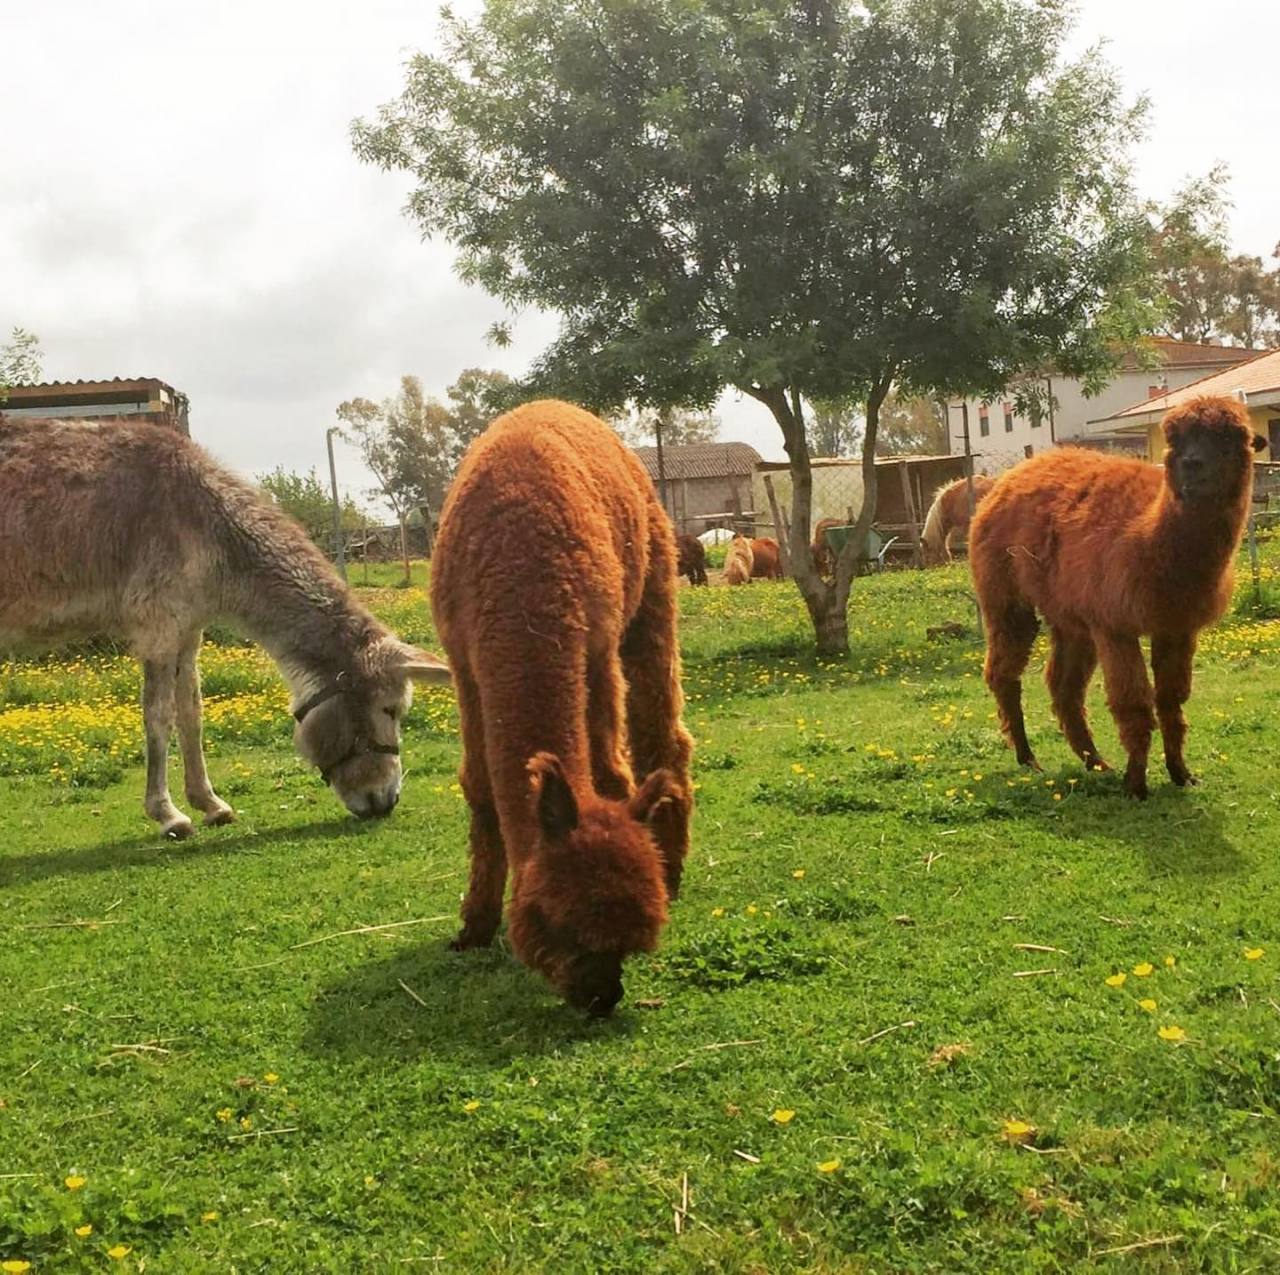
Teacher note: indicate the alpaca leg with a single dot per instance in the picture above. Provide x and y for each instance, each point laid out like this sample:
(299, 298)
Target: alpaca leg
(191, 737)
(658, 739)
(1129, 698)
(158, 678)
(1171, 663)
(606, 726)
(482, 907)
(1071, 664)
(1010, 637)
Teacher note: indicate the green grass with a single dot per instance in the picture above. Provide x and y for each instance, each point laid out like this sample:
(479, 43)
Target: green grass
(866, 860)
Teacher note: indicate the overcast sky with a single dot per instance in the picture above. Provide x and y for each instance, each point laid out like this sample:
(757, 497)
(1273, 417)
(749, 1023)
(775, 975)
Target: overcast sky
(179, 198)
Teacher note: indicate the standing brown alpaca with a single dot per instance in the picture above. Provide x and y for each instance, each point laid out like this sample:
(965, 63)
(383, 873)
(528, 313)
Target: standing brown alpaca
(1109, 550)
(738, 561)
(132, 532)
(766, 559)
(553, 589)
(948, 518)
(824, 561)
(692, 559)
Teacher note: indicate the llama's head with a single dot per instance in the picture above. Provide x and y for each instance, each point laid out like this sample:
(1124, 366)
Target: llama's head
(1210, 449)
(592, 891)
(349, 727)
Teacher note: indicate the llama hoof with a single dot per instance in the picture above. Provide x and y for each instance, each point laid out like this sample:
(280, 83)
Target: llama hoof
(178, 829)
(468, 939)
(220, 817)
(1096, 763)
(1136, 788)
(1183, 777)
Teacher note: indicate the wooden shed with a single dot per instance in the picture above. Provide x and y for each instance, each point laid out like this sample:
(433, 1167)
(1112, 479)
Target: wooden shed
(141, 398)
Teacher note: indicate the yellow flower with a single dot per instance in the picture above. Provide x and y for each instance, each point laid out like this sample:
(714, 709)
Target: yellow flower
(1116, 980)
(717, 911)
(1147, 1004)
(224, 1114)
(270, 1078)
(1144, 969)
(210, 1216)
(828, 1166)
(752, 909)
(246, 1122)
(473, 1105)
(1057, 796)
(1254, 953)
(783, 1116)
(119, 1251)
(797, 768)
(1169, 962)
(977, 778)
(85, 1230)
(798, 874)
(74, 1182)
(1017, 1131)
(15, 1267)
(1172, 1033)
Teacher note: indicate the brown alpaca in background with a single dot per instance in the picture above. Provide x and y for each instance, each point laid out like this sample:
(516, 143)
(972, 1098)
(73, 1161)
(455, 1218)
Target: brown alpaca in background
(132, 532)
(824, 561)
(948, 518)
(1108, 550)
(553, 588)
(738, 561)
(691, 559)
(766, 559)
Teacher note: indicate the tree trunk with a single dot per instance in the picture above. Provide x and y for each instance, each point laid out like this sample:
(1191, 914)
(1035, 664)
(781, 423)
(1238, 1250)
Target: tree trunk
(428, 522)
(404, 547)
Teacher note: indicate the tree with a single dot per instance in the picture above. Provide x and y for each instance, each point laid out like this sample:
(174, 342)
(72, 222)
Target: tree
(475, 398)
(1211, 294)
(638, 427)
(810, 200)
(308, 502)
(912, 427)
(19, 361)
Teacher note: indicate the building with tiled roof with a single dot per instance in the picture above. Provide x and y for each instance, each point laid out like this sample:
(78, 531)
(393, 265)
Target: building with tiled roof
(1256, 382)
(705, 481)
(999, 435)
(120, 400)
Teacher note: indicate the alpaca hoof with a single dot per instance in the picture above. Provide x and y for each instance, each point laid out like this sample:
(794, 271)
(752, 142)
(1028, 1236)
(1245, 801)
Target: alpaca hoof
(1029, 761)
(1136, 788)
(178, 829)
(1183, 777)
(1096, 763)
(468, 938)
(220, 817)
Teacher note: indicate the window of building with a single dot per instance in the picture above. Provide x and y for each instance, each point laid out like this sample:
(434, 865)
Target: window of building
(1008, 418)
(984, 423)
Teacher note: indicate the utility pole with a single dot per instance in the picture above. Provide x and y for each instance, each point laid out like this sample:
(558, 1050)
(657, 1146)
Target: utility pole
(968, 457)
(339, 547)
(658, 423)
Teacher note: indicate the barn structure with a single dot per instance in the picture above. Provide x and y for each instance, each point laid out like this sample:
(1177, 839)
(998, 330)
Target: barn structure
(707, 484)
(142, 398)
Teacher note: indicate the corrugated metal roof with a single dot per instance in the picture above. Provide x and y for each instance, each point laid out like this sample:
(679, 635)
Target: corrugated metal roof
(115, 383)
(701, 460)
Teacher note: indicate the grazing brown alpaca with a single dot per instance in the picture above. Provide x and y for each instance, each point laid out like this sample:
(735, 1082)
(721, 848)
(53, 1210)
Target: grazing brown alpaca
(948, 518)
(766, 559)
(824, 561)
(691, 559)
(553, 589)
(132, 532)
(738, 561)
(1108, 550)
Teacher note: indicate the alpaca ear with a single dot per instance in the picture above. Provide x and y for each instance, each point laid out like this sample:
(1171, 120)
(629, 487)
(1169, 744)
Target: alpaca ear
(1259, 443)
(557, 807)
(658, 789)
(419, 665)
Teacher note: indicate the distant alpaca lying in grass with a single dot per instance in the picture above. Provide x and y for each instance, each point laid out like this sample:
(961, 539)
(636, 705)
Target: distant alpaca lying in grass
(553, 587)
(132, 532)
(738, 561)
(766, 559)
(1109, 550)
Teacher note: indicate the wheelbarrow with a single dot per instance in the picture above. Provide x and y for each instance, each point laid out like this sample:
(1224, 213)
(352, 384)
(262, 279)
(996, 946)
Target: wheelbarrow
(873, 554)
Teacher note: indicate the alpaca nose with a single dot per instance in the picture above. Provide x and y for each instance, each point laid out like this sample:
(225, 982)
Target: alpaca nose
(378, 805)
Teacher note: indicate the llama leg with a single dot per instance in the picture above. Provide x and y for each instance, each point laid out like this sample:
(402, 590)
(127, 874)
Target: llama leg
(482, 907)
(191, 737)
(1071, 664)
(1129, 698)
(158, 678)
(1171, 663)
(658, 739)
(606, 726)
(1010, 637)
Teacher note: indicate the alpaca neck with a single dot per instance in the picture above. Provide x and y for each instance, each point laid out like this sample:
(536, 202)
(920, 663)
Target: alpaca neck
(1199, 540)
(294, 606)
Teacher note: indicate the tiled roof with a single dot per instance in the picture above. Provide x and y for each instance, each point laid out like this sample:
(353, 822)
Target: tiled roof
(1257, 377)
(1173, 353)
(701, 460)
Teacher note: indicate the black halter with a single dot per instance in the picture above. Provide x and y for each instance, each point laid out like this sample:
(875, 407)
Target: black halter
(314, 701)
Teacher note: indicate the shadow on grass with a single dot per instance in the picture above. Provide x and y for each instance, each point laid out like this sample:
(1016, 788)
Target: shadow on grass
(153, 850)
(480, 1006)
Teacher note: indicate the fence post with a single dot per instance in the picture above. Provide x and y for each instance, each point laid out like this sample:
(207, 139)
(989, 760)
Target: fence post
(784, 532)
(909, 504)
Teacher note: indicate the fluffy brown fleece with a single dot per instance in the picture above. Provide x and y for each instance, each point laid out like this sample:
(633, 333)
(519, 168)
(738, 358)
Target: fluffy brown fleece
(553, 588)
(738, 561)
